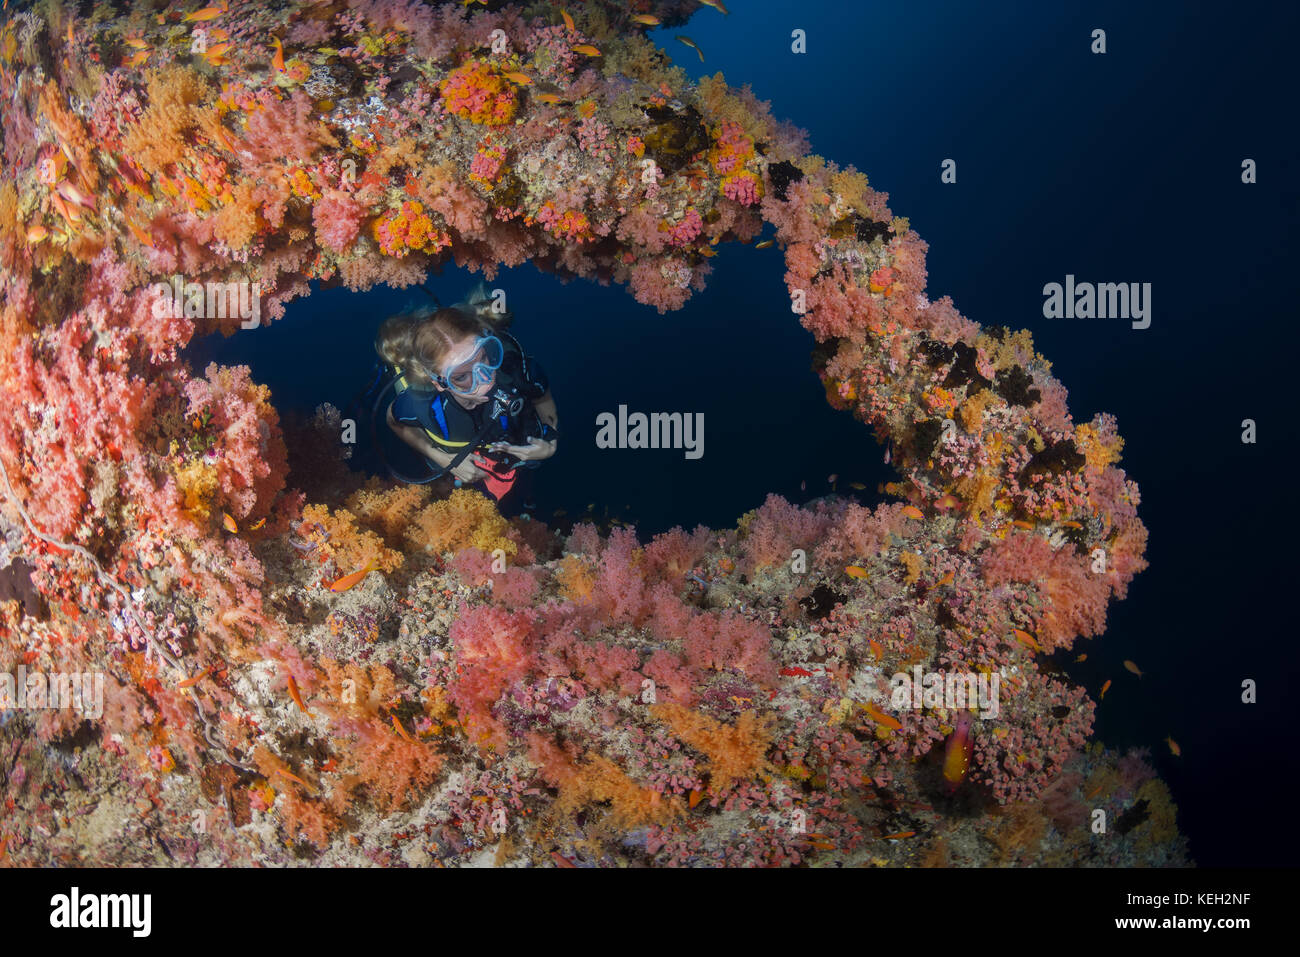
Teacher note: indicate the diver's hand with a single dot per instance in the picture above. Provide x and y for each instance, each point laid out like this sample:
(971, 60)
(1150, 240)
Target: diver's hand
(534, 451)
(469, 473)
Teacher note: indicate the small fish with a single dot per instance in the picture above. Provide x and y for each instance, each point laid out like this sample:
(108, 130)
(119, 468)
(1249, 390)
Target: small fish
(256, 525)
(901, 835)
(229, 522)
(707, 253)
(1026, 639)
(911, 511)
(37, 233)
(190, 682)
(1104, 689)
(803, 486)
(693, 45)
(1132, 667)
(397, 725)
(277, 61)
(517, 78)
(647, 19)
(875, 648)
(1081, 659)
(135, 59)
(73, 195)
(878, 716)
(695, 797)
(135, 43)
(1174, 749)
(561, 860)
(297, 698)
(716, 5)
(552, 99)
(765, 244)
(946, 579)
(1071, 525)
(856, 571)
(796, 672)
(947, 502)
(293, 777)
(858, 486)
(1020, 523)
(347, 581)
(833, 477)
(568, 20)
(207, 13)
(586, 49)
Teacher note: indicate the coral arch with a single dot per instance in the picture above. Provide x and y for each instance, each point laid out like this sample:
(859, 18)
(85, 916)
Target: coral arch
(372, 145)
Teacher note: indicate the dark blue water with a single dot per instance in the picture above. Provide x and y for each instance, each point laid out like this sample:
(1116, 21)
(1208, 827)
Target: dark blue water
(1123, 167)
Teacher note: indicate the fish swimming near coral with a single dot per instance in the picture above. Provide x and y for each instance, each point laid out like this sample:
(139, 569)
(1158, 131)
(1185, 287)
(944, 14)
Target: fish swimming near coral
(1130, 666)
(693, 45)
(878, 716)
(347, 581)
(296, 696)
(586, 49)
(1174, 749)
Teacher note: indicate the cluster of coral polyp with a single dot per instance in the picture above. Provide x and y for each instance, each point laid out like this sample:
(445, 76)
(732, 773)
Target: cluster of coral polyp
(495, 690)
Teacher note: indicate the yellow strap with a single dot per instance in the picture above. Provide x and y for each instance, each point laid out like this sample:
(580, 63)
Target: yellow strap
(401, 386)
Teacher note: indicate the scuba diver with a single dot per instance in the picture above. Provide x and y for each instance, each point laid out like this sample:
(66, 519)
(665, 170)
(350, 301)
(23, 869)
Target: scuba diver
(466, 397)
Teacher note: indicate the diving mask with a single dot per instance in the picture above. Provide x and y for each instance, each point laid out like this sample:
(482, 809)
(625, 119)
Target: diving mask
(465, 376)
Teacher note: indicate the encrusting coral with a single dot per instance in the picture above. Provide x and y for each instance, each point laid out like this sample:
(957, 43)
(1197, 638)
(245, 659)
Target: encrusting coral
(400, 675)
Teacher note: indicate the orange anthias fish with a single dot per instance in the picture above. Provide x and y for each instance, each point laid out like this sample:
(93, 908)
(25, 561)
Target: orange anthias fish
(898, 836)
(946, 579)
(1082, 658)
(568, 20)
(517, 78)
(586, 49)
(551, 98)
(190, 682)
(1104, 689)
(207, 13)
(1174, 749)
(1026, 639)
(1132, 667)
(765, 244)
(878, 716)
(716, 5)
(957, 752)
(647, 19)
(400, 730)
(856, 571)
(297, 698)
(347, 581)
(947, 503)
(911, 511)
(277, 61)
(229, 523)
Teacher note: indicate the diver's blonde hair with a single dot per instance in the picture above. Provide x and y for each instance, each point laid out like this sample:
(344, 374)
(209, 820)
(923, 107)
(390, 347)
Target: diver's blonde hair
(419, 342)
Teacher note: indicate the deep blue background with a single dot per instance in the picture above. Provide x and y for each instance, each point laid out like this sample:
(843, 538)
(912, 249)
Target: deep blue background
(1122, 167)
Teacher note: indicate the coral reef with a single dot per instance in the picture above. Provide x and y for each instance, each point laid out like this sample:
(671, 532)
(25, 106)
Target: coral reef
(401, 676)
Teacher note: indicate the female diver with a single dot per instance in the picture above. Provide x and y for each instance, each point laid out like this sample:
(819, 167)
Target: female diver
(467, 398)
